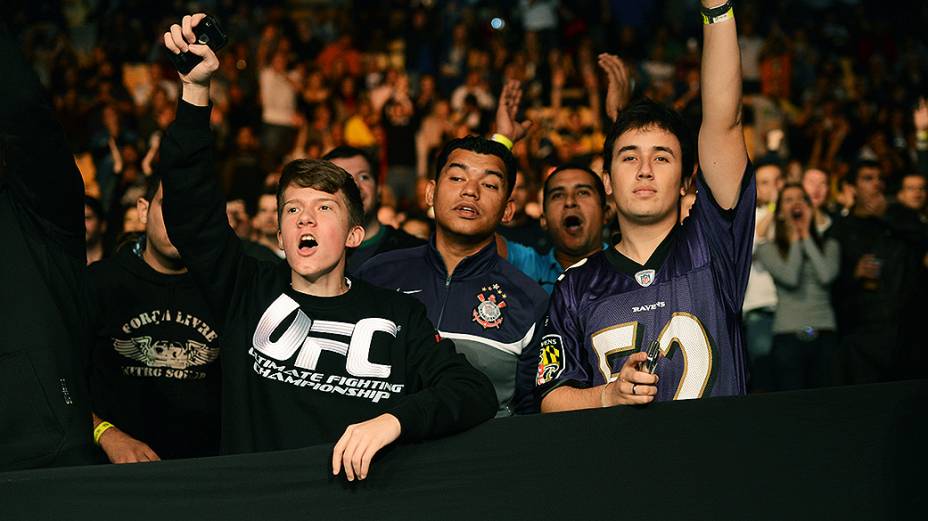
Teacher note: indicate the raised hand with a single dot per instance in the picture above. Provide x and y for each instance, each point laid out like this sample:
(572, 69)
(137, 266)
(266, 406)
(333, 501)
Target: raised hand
(180, 38)
(618, 90)
(506, 123)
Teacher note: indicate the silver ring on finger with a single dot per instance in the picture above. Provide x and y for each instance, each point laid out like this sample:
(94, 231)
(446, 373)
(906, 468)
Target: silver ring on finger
(634, 386)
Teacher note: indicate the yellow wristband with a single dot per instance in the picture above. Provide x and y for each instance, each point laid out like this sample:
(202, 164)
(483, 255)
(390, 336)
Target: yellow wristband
(921, 135)
(706, 20)
(99, 430)
(503, 140)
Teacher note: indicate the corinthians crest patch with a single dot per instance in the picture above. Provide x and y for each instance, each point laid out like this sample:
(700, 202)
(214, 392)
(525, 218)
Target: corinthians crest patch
(489, 310)
(645, 277)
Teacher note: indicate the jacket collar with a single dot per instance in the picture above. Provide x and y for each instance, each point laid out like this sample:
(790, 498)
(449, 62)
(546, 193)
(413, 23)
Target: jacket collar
(475, 265)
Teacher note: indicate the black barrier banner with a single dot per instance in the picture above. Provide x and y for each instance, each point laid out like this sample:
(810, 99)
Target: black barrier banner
(838, 453)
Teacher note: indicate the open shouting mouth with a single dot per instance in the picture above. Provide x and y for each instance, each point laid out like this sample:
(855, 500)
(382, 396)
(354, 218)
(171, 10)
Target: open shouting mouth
(573, 224)
(307, 244)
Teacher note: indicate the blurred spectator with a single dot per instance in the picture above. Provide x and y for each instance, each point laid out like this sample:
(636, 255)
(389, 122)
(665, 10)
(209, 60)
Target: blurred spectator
(803, 266)
(264, 223)
(105, 145)
(436, 128)
(378, 237)
(95, 226)
(873, 292)
(418, 227)
(475, 87)
(279, 89)
(340, 56)
(239, 220)
(242, 175)
(815, 184)
(155, 378)
(400, 120)
(131, 222)
(523, 228)
(760, 300)
(912, 194)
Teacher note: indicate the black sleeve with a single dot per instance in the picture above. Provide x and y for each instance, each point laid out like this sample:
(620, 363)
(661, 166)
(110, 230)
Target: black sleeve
(450, 395)
(35, 160)
(195, 211)
(524, 400)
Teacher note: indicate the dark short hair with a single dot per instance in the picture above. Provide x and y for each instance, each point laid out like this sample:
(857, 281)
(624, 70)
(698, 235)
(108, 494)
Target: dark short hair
(347, 152)
(768, 161)
(267, 190)
(860, 165)
(480, 145)
(152, 183)
(95, 206)
(597, 182)
(324, 176)
(646, 113)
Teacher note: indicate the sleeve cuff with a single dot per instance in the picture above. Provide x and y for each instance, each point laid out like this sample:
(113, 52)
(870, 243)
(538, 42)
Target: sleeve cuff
(408, 413)
(192, 116)
(746, 179)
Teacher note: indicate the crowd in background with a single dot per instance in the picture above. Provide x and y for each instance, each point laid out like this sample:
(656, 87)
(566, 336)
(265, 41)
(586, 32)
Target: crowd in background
(831, 113)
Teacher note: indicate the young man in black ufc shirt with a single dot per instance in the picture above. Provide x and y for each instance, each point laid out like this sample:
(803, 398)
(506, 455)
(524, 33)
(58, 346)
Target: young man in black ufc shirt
(309, 356)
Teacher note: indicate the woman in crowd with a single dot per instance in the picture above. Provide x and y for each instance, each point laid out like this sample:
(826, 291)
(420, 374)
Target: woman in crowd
(803, 266)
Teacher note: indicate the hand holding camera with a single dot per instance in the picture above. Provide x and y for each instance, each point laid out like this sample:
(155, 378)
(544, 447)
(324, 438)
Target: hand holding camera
(191, 46)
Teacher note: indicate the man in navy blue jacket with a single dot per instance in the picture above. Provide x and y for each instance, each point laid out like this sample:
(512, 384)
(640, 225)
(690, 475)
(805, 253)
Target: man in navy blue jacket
(474, 297)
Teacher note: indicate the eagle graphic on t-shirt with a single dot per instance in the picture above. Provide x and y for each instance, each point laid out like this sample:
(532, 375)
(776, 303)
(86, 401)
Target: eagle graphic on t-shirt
(166, 353)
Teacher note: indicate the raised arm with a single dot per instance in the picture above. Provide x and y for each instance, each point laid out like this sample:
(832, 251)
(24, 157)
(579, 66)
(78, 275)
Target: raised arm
(194, 206)
(618, 90)
(37, 164)
(506, 122)
(722, 154)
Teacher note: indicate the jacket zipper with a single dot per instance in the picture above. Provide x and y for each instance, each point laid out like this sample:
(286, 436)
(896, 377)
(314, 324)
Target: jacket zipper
(443, 302)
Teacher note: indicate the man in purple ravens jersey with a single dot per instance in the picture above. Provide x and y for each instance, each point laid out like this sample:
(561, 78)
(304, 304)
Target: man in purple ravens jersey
(680, 286)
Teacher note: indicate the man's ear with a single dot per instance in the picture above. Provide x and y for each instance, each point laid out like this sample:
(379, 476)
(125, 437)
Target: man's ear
(430, 193)
(141, 205)
(688, 181)
(280, 239)
(355, 237)
(543, 221)
(508, 211)
(607, 183)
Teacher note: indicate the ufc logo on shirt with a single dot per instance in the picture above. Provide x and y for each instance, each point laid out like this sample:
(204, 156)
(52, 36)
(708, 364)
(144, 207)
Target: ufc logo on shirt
(298, 336)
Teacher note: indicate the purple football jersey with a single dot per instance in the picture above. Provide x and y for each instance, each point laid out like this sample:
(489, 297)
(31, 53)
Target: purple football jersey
(690, 304)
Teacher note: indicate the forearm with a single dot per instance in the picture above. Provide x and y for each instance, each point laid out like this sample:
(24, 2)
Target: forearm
(194, 206)
(447, 394)
(721, 74)
(461, 400)
(567, 398)
(196, 95)
(722, 154)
